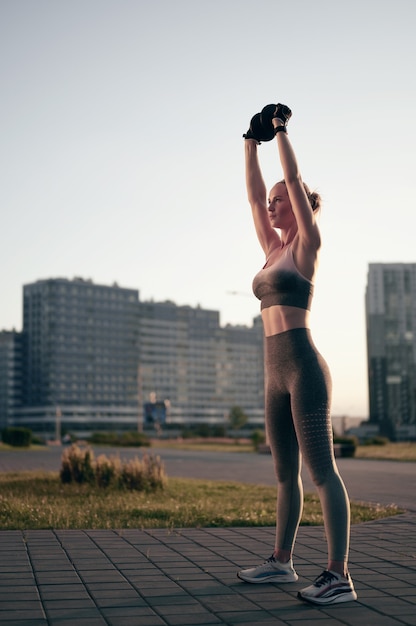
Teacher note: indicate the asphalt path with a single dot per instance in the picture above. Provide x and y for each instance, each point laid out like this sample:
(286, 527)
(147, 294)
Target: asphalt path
(383, 482)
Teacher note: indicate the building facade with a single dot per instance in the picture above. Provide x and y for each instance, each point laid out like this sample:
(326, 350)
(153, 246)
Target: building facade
(391, 348)
(196, 367)
(95, 357)
(10, 375)
(80, 355)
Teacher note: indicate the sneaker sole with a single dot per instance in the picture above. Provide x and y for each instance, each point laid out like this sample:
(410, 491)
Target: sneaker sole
(345, 597)
(283, 578)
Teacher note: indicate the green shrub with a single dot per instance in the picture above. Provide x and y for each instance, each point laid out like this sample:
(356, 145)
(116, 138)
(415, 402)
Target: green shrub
(127, 439)
(17, 436)
(203, 430)
(37, 440)
(103, 438)
(346, 439)
(218, 430)
(134, 439)
(376, 441)
(348, 445)
(258, 437)
(79, 466)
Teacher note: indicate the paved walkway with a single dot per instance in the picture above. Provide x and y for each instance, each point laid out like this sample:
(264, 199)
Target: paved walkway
(188, 577)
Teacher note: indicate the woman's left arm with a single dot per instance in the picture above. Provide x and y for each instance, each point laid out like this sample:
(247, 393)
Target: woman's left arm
(308, 230)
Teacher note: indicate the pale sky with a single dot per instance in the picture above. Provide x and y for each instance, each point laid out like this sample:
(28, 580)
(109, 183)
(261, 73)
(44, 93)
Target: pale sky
(122, 154)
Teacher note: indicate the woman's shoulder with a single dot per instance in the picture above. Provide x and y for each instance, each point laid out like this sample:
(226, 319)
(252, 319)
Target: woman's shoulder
(310, 240)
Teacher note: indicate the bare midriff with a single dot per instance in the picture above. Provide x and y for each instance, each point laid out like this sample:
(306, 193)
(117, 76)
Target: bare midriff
(280, 318)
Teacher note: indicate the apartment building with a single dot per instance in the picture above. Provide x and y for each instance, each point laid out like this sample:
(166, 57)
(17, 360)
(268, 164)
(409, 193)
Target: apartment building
(391, 347)
(80, 355)
(198, 368)
(10, 374)
(94, 357)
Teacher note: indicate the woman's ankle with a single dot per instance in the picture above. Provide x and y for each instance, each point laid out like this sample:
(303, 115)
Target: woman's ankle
(339, 567)
(283, 556)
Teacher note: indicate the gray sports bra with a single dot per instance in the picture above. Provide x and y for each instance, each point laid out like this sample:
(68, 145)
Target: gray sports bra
(282, 283)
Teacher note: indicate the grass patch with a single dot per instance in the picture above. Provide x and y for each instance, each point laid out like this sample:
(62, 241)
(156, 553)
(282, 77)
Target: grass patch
(33, 446)
(199, 445)
(403, 451)
(38, 500)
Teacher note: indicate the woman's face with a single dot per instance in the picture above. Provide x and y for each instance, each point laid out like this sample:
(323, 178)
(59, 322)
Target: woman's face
(280, 209)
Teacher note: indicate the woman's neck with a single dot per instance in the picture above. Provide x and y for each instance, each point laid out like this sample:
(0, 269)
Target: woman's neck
(286, 237)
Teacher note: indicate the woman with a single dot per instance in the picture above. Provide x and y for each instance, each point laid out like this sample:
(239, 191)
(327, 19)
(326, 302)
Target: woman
(298, 381)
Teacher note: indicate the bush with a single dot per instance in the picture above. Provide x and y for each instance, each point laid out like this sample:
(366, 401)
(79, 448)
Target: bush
(143, 475)
(346, 439)
(103, 438)
(376, 441)
(218, 430)
(347, 445)
(203, 430)
(258, 437)
(134, 439)
(79, 466)
(128, 439)
(107, 471)
(37, 440)
(17, 436)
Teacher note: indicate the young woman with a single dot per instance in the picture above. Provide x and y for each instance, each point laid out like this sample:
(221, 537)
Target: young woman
(298, 381)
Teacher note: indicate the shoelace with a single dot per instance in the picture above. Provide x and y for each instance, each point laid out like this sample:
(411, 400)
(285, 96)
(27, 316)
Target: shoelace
(324, 578)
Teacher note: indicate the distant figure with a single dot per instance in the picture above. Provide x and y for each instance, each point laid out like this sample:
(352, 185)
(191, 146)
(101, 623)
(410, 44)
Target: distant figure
(298, 381)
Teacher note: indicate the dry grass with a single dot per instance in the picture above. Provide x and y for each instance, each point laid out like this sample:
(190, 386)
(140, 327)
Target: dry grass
(205, 443)
(405, 451)
(34, 500)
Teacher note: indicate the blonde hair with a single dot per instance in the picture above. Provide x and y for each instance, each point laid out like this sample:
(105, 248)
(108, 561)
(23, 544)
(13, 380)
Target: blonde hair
(314, 198)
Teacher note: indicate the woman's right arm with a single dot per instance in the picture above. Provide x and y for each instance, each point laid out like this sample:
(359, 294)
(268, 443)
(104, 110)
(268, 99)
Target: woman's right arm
(257, 197)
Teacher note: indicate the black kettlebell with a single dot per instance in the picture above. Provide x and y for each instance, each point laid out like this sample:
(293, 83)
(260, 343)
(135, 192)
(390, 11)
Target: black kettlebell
(256, 127)
(266, 116)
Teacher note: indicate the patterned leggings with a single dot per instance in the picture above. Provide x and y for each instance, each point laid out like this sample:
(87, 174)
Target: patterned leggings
(298, 423)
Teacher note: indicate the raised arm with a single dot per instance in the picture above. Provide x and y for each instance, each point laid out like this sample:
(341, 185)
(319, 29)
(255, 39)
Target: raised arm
(305, 218)
(257, 197)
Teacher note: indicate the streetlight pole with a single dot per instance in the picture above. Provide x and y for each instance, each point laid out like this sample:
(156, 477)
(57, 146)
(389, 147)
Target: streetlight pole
(58, 415)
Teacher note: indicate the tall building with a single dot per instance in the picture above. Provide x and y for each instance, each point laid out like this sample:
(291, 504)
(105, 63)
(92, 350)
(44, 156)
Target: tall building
(80, 355)
(196, 367)
(10, 375)
(95, 358)
(391, 347)
(242, 376)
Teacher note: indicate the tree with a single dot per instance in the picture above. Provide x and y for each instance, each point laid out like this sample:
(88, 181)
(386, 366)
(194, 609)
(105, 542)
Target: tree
(237, 418)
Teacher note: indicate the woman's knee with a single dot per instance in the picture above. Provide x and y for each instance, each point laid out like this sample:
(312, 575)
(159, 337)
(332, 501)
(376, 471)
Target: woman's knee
(287, 475)
(322, 475)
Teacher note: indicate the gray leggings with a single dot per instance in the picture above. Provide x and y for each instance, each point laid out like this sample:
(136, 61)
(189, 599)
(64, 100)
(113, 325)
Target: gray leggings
(298, 422)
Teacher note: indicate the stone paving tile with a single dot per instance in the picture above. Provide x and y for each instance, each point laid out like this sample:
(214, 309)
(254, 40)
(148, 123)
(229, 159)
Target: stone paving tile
(135, 621)
(23, 614)
(10, 621)
(68, 620)
(57, 578)
(164, 578)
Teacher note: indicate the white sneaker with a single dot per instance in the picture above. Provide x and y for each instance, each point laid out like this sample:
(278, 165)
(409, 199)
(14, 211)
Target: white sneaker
(329, 588)
(272, 571)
